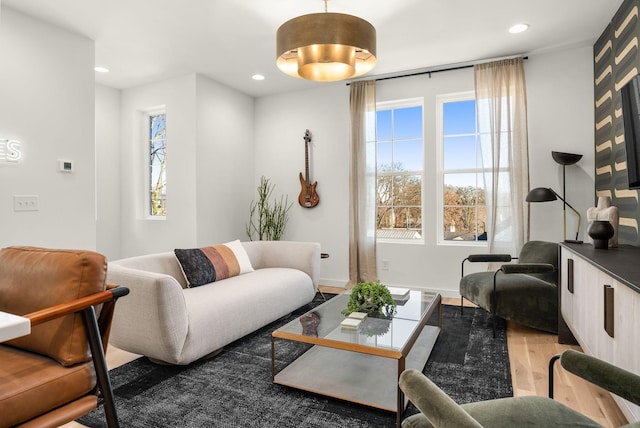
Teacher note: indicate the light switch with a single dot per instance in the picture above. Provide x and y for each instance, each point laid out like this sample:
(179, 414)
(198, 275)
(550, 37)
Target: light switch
(25, 202)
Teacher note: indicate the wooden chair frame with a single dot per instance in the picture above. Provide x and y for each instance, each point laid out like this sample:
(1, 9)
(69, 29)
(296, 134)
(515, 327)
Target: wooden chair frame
(97, 334)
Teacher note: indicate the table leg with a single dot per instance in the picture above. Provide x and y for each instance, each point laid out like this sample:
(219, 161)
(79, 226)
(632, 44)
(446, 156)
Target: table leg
(400, 412)
(273, 359)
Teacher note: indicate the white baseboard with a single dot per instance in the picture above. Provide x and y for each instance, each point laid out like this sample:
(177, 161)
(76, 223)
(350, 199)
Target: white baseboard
(333, 282)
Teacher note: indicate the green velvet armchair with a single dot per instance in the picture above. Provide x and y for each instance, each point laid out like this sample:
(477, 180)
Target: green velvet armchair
(440, 411)
(525, 292)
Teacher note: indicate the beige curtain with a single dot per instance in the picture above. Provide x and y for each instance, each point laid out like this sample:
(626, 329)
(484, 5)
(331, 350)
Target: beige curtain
(501, 101)
(362, 183)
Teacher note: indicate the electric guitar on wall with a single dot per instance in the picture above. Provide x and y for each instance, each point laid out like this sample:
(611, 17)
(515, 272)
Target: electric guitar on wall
(308, 197)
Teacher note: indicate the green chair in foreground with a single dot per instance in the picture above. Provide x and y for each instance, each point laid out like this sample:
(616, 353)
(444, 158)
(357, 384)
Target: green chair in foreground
(440, 411)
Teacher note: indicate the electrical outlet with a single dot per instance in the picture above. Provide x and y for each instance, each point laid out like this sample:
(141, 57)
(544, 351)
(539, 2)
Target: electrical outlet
(385, 265)
(25, 202)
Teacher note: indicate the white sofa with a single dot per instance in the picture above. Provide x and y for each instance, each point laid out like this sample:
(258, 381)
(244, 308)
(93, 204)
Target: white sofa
(166, 321)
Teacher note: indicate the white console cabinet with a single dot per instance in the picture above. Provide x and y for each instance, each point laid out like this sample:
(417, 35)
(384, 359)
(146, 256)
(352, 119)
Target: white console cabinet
(600, 303)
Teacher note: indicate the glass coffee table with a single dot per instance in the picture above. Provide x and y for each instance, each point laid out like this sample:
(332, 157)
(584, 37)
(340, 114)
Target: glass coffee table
(359, 365)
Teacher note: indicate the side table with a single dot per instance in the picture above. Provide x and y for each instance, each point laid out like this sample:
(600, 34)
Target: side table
(12, 326)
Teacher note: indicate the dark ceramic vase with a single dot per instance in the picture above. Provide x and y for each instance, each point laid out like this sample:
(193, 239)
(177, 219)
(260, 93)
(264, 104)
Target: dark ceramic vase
(601, 231)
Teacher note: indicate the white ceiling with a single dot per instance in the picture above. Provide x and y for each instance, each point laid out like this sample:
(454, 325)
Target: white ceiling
(143, 41)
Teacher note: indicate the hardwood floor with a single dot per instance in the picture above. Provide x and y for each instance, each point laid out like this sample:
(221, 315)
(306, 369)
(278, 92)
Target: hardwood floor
(529, 354)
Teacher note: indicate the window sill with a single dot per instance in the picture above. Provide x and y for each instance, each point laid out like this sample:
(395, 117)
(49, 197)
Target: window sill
(401, 241)
(477, 244)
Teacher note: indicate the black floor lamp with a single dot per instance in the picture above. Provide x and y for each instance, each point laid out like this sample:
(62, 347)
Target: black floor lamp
(544, 194)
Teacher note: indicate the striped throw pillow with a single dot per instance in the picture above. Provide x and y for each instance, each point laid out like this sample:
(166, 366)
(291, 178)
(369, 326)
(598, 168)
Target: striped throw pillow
(209, 264)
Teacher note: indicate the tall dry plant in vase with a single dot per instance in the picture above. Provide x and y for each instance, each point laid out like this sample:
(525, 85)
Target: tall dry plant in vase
(267, 218)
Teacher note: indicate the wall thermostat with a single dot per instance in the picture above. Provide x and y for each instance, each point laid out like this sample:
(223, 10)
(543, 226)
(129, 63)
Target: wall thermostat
(65, 165)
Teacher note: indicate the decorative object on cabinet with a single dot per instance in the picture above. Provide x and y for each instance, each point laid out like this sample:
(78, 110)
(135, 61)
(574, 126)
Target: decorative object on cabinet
(308, 197)
(546, 194)
(438, 409)
(604, 211)
(525, 292)
(600, 231)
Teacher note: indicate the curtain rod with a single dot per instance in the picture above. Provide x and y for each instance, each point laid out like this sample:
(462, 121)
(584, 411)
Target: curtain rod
(437, 70)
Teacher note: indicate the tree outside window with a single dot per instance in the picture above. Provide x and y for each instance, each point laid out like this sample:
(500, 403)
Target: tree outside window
(399, 147)
(463, 215)
(157, 164)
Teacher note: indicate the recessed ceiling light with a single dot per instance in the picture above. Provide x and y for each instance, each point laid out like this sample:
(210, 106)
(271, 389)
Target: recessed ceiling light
(257, 77)
(518, 28)
(101, 69)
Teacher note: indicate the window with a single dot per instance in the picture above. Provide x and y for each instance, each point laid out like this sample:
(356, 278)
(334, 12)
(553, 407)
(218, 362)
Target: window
(461, 191)
(399, 138)
(156, 130)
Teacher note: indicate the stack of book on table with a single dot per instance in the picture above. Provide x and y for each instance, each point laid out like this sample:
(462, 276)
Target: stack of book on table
(353, 320)
(400, 295)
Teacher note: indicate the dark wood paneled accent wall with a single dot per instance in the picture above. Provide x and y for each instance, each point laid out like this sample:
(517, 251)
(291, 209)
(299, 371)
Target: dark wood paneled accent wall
(616, 60)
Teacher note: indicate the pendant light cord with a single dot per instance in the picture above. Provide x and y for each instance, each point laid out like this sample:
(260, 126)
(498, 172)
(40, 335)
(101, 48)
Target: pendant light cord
(325, 6)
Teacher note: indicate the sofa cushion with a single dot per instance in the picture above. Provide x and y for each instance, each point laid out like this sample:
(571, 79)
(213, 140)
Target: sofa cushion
(205, 265)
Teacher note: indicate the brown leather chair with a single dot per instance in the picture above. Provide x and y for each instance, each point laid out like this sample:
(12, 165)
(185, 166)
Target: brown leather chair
(57, 372)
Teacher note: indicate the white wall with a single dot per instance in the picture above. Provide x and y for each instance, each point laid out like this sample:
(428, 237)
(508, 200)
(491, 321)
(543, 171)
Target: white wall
(224, 162)
(140, 234)
(209, 165)
(561, 111)
(108, 171)
(280, 125)
(47, 103)
(560, 95)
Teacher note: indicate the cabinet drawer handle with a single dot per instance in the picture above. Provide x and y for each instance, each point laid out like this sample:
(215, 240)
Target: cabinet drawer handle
(608, 310)
(570, 275)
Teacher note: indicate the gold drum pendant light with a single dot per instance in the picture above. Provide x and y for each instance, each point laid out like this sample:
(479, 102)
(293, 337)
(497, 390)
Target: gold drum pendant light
(326, 46)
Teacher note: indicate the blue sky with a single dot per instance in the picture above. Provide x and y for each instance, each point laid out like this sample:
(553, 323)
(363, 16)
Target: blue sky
(406, 125)
(460, 117)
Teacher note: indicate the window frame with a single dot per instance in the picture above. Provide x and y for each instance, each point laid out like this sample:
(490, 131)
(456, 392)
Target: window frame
(392, 105)
(146, 134)
(441, 100)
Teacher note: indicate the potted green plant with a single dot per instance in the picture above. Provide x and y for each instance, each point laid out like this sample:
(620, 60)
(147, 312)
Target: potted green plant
(371, 297)
(267, 218)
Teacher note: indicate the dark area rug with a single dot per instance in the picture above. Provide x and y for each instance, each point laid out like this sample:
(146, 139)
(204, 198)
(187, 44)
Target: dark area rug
(234, 389)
